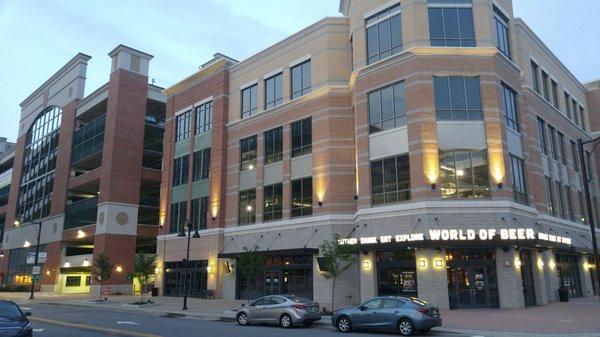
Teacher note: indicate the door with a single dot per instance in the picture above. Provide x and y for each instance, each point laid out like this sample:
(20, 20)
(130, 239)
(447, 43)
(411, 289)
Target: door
(527, 277)
(272, 282)
(471, 287)
(370, 315)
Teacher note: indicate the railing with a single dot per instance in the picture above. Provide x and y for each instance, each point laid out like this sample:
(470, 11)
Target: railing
(81, 213)
(89, 139)
(154, 143)
(149, 201)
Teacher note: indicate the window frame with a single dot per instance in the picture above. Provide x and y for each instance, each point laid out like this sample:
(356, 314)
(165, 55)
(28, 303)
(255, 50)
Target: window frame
(512, 120)
(383, 17)
(476, 191)
(201, 165)
(274, 210)
(252, 91)
(275, 153)
(500, 19)
(180, 170)
(382, 188)
(249, 163)
(200, 211)
(204, 117)
(302, 90)
(245, 196)
(300, 211)
(276, 100)
(519, 180)
(399, 113)
(183, 122)
(305, 146)
(458, 5)
(471, 114)
(535, 76)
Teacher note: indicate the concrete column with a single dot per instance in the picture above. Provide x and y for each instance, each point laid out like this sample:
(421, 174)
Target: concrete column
(346, 290)
(587, 288)
(228, 279)
(432, 278)
(551, 276)
(368, 276)
(510, 283)
(51, 268)
(539, 278)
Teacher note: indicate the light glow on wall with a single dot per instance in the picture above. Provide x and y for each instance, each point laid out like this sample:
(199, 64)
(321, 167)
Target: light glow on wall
(497, 169)
(552, 264)
(119, 269)
(540, 264)
(366, 265)
(26, 244)
(431, 164)
(422, 263)
(80, 234)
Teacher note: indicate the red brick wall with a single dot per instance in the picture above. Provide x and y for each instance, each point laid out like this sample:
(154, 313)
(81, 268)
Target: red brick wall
(120, 250)
(63, 159)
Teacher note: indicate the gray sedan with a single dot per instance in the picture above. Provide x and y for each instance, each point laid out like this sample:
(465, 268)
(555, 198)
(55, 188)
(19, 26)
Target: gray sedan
(285, 310)
(402, 314)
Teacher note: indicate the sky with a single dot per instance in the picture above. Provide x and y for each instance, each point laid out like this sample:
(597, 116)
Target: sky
(40, 36)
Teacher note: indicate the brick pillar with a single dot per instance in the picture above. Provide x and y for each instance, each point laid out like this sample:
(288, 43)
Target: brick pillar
(63, 159)
(120, 250)
(432, 280)
(51, 266)
(510, 283)
(218, 155)
(286, 188)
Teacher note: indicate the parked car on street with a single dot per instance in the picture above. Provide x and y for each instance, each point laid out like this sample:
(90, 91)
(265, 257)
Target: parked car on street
(402, 314)
(285, 310)
(13, 321)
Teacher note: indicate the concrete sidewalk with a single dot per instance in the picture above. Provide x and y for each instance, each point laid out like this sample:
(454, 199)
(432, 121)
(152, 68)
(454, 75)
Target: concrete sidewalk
(579, 317)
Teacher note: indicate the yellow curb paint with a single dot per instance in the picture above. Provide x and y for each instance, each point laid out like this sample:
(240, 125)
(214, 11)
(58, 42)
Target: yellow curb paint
(92, 328)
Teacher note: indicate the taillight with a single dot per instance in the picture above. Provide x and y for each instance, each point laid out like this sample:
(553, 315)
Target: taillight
(423, 310)
(299, 306)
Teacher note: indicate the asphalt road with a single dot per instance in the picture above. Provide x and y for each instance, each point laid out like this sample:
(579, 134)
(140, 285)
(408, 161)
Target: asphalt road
(51, 320)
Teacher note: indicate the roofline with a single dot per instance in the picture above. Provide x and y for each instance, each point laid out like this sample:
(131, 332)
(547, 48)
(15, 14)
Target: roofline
(343, 5)
(80, 57)
(122, 46)
(202, 72)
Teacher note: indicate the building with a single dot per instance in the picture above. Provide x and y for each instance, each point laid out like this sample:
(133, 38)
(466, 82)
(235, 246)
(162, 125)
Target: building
(87, 169)
(437, 135)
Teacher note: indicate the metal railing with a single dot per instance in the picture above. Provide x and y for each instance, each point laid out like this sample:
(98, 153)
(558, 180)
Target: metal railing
(81, 213)
(89, 139)
(154, 143)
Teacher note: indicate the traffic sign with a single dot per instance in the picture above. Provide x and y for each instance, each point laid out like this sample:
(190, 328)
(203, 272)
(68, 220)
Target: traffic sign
(35, 277)
(36, 270)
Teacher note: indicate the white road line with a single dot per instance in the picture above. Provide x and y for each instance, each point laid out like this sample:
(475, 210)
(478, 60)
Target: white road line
(127, 322)
(38, 330)
(25, 308)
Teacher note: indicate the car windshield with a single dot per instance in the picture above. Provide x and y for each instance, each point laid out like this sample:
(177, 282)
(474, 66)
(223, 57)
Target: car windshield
(9, 310)
(298, 299)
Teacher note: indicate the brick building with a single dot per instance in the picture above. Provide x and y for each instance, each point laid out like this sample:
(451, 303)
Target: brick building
(88, 170)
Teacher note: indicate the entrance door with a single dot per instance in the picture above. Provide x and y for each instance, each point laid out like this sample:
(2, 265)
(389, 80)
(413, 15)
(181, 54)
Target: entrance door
(471, 287)
(272, 282)
(527, 277)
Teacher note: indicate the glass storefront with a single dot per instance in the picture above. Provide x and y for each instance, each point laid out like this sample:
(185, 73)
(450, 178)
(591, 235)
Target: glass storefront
(19, 271)
(568, 273)
(174, 280)
(472, 280)
(397, 273)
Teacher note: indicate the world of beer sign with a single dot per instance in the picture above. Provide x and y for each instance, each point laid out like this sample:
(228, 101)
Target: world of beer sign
(486, 234)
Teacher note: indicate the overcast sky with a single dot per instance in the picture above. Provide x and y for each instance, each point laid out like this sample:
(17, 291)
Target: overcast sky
(40, 36)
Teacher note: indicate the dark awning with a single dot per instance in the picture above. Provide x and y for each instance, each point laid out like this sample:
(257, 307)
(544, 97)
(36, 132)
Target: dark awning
(295, 251)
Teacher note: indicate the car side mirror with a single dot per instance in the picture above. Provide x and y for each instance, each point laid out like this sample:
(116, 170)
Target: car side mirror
(362, 308)
(27, 313)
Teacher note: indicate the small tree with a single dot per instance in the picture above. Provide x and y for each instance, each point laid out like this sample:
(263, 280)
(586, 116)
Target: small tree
(250, 263)
(102, 269)
(338, 258)
(143, 270)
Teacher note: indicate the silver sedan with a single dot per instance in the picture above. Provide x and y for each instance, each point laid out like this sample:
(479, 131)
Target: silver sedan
(285, 310)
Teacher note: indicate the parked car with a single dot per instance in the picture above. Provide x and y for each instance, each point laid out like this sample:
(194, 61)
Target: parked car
(13, 321)
(402, 314)
(285, 310)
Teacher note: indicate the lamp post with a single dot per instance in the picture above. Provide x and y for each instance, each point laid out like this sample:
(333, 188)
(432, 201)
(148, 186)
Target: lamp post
(187, 224)
(588, 201)
(37, 250)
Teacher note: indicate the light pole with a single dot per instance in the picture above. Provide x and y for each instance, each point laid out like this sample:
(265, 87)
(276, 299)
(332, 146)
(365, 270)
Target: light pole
(37, 250)
(588, 200)
(187, 224)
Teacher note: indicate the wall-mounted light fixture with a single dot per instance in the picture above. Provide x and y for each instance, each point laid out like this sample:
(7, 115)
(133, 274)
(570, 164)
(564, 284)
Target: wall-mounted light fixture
(540, 263)
(119, 269)
(438, 263)
(366, 265)
(320, 203)
(552, 264)
(86, 262)
(355, 197)
(499, 186)
(507, 263)
(422, 263)
(26, 244)
(517, 263)
(67, 264)
(228, 268)
(80, 234)
(209, 269)
(433, 186)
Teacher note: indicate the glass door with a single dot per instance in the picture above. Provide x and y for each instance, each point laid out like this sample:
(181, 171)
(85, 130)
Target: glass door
(470, 287)
(272, 282)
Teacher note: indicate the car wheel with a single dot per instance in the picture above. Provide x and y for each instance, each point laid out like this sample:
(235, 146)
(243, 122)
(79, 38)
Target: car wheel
(285, 321)
(242, 318)
(344, 324)
(406, 327)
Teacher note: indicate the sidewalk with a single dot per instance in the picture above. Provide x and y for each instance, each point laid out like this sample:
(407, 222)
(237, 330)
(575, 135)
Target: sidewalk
(580, 317)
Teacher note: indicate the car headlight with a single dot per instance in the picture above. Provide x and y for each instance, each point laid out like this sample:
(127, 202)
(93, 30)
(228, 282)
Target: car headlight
(27, 327)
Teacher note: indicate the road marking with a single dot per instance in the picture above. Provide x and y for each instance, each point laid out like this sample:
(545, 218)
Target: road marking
(38, 330)
(25, 308)
(93, 328)
(566, 321)
(127, 322)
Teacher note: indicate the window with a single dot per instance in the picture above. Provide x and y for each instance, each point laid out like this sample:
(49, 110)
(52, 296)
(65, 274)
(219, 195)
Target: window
(302, 197)
(574, 110)
(384, 34)
(135, 63)
(301, 79)
(451, 26)
(247, 205)
(464, 174)
(73, 281)
(178, 216)
(561, 200)
(200, 211)
(509, 97)
(568, 106)
(248, 153)
(302, 137)
(390, 180)
(561, 147)
(249, 101)
(535, 77)
(274, 145)
(545, 90)
(387, 108)
(555, 94)
(273, 91)
(182, 126)
(273, 202)
(201, 164)
(542, 135)
(180, 170)
(502, 35)
(570, 212)
(549, 195)
(457, 98)
(588, 164)
(575, 156)
(552, 138)
(582, 207)
(204, 118)
(582, 117)
(518, 179)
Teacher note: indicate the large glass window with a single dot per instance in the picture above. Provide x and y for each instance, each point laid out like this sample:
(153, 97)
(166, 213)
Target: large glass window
(301, 82)
(575, 156)
(387, 108)
(200, 211)
(552, 139)
(390, 180)
(509, 98)
(248, 153)
(384, 34)
(457, 98)
(247, 207)
(502, 35)
(545, 90)
(464, 174)
(568, 105)
(204, 117)
(542, 136)
(561, 147)
(561, 200)
(582, 117)
(554, 93)
(570, 211)
(535, 79)
(249, 101)
(451, 24)
(273, 91)
(302, 137)
(517, 166)
(549, 195)
(273, 202)
(180, 170)
(178, 216)
(302, 197)
(574, 110)
(182, 126)
(201, 164)
(274, 145)
(39, 163)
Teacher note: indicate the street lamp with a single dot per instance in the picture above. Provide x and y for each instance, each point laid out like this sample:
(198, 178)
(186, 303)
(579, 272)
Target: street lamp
(187, 224)
(588, 201)
(17, 222)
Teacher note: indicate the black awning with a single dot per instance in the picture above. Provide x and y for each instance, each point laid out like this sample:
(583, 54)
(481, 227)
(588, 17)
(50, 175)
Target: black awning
(295, 251)
(76, 269)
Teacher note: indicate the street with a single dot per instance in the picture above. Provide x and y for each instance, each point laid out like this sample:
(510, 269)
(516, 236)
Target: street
(50, 320)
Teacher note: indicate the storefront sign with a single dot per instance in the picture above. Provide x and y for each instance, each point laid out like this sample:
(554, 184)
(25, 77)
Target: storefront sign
(486, 234)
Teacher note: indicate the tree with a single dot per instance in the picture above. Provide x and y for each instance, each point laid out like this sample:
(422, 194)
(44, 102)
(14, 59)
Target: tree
(143, 270)
(250, 263)
(102, 269)
(338, 258)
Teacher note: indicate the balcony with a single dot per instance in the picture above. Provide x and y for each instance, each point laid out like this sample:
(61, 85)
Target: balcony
(81, 213)
(88, 142)
(149, 209)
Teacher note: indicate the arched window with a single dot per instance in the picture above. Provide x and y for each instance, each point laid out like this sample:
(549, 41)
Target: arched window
(39, 162)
